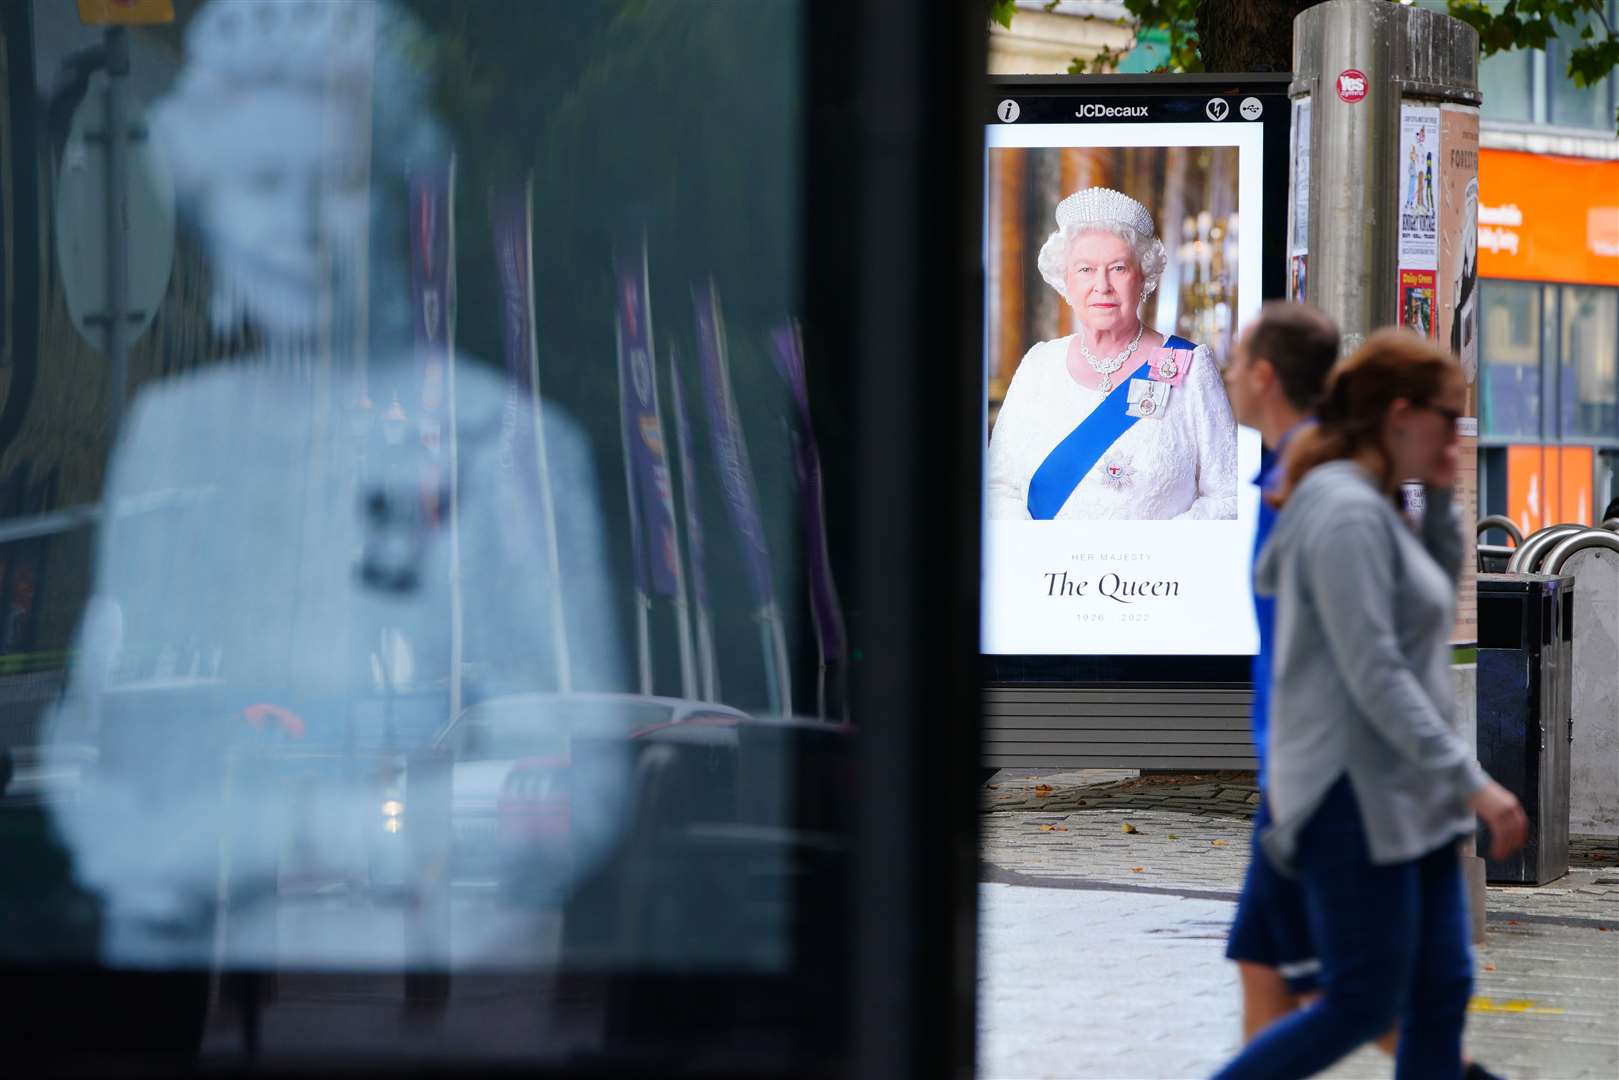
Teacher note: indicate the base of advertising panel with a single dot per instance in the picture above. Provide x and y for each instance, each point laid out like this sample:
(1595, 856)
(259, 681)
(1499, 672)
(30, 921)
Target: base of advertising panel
(1137, 727)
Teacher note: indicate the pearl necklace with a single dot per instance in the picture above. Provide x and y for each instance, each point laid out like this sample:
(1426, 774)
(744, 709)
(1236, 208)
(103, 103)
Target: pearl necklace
(1106, 366)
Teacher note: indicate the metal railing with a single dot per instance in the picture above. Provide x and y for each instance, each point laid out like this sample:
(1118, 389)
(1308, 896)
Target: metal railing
(1585, 540)
(1528, 554)
(1545, 551)
(1505, 524)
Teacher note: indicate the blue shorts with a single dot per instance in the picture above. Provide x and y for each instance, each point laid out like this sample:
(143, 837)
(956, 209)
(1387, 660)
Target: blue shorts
(1272, 927)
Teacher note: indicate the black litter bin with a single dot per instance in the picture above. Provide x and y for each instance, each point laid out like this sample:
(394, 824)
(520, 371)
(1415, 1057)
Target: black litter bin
(1525, 709)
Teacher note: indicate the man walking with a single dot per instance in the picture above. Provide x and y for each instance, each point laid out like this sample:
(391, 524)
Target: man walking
(1276, 374)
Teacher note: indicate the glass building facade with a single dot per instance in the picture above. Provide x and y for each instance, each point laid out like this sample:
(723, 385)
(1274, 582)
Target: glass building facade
(1549, 264)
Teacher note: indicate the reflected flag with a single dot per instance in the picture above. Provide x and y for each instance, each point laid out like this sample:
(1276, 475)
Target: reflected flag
(730, 444)
(522, 448)
(688, 472)
(432, 295)
(652, 508)
(786, 349)
(508, 219)
(741, 493)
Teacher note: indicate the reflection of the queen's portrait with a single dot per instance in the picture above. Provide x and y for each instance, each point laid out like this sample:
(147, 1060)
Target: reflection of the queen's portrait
(327, 494)
(1115, 421)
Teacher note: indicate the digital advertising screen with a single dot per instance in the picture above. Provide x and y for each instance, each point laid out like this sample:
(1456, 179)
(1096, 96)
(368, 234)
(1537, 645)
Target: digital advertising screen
(1131, 229)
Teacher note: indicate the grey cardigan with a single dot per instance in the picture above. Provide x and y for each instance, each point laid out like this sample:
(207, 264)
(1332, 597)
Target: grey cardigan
(1362, 674)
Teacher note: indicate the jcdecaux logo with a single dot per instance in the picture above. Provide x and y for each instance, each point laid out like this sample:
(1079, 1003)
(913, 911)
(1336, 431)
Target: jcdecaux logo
(1086, 112)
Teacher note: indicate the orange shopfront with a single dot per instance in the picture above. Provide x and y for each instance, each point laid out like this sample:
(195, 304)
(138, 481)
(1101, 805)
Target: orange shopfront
(1549, 323)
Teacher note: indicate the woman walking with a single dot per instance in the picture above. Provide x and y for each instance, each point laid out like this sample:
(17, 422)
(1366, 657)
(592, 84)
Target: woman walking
(1370, 785)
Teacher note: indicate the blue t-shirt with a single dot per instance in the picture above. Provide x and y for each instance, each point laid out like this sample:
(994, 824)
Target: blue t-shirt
(1270, 474)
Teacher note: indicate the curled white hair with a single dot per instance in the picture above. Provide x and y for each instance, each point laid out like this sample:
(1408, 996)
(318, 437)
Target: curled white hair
(1148, 250)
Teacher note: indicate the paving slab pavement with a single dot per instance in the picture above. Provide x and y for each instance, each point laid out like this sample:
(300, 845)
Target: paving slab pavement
(1190, 831)
(1102, 947)
(1120, 983)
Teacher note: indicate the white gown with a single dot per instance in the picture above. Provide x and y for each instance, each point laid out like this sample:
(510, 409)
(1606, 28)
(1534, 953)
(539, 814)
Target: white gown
(1182, 465)
(257, 577)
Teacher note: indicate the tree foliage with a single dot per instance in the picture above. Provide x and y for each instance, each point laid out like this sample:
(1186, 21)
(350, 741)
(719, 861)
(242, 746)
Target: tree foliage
(1515, 24)
(1175, 18)
(1534, 24)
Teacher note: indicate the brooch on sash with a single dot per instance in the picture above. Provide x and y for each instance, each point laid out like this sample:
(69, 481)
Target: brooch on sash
(1168, 365)
(1147, 399)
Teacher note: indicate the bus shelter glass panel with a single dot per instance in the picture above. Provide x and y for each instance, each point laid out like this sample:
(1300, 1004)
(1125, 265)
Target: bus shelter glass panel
(407, 471)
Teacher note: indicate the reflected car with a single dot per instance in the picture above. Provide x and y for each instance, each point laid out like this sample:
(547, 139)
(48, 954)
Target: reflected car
(516, 777)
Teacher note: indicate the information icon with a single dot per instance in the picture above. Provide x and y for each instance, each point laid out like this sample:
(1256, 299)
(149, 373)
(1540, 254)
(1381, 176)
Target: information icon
(1251, 108)
(1007, 110)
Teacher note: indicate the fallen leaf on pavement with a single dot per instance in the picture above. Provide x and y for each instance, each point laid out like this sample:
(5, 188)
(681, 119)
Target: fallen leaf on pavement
(1172, 836)
(1489, 967)
(1042, 790)
(1127, 827)
(1518, 1005)
(1218, 843)
(1137, 869)
(1047, 828)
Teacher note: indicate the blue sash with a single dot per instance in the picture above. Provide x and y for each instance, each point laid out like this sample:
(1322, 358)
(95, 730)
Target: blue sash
(1067, 464)
(1071, 459)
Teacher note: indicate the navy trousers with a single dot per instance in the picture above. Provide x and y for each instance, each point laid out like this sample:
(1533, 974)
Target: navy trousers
(1394, 947)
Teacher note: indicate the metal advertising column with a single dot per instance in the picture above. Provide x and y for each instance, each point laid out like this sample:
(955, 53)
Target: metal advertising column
(1383, 218)
(1383, 225)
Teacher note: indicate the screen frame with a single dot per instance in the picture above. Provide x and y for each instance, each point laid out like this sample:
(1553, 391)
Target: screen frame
(1229, 671)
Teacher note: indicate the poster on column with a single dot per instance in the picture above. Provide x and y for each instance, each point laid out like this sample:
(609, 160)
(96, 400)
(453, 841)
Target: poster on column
(1418, 292)
(1457, 323)
(1419, 187)
(1298, 244)
(1127, 240)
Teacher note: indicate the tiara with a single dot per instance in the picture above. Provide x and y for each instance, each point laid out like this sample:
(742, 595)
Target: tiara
(1103, 206)
(260, 41)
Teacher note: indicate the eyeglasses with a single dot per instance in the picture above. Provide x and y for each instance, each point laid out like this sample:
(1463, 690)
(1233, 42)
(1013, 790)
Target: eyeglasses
(1449, 416)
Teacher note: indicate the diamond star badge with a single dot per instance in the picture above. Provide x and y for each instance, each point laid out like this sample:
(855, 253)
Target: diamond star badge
(1118, 474)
